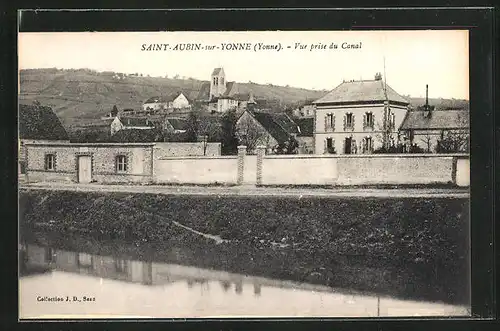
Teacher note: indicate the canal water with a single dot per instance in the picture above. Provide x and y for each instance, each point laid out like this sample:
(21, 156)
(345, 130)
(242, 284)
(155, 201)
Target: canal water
(105, 280)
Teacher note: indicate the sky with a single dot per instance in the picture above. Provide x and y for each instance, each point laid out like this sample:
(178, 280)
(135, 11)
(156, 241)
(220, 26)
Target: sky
(439, 58)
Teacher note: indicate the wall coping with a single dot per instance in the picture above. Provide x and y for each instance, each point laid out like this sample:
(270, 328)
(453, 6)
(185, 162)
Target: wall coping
(379, 156)
(221, 157)
(63, 144)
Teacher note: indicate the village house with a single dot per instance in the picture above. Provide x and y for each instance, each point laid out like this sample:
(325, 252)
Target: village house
(426, 128)
(254, 128)
(174, 101)
(357, 117)
(126, 123)
(304, 111)
(38, 124)
(305, 136)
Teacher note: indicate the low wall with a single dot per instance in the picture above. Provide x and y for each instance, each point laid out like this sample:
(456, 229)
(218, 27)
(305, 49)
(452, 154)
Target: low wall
(165, 149)
(299, 170)
(197, 170)
(373, 169)
(395, 169)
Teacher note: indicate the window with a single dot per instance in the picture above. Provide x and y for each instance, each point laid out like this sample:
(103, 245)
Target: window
(369, 123)
(222, 80)
(392, 121)
(330, 146)
(50, 162)
(121, 266)
(367, 145)
(216, 80)
(329, 122)
(348, 121)
(121, 163)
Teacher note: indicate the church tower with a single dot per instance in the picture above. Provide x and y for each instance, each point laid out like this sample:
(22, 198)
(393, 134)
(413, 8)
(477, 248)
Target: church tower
(217, 83)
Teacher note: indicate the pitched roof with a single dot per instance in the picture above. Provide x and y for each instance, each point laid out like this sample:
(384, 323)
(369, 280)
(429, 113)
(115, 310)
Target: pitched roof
(136, 121)
(135, 135)
(438, 119)
(178, 123)
(361, 91)
(156, 99)
(306, 126)
(204, 92)
(216, 71)
(279, 126)
(39, 122)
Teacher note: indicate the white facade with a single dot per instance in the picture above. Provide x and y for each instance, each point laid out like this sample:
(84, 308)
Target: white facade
(153, 106)
(224, 104)
(354, 129)
(180, 102)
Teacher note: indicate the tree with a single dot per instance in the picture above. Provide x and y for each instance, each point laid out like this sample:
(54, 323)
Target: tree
(251, 135)
(453, 142)
(289, 146)
(228, 135)
(192, 126)
(114, 112)
(427, 140)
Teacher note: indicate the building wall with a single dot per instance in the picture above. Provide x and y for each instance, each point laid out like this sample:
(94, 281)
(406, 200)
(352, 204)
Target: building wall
(180, 102)
(197, 170)
(226, 104)
(152, 106)
(358, 133)
(140, 162)
(167, 149)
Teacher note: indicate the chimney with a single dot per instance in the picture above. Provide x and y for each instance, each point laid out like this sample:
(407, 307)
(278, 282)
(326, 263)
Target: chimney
(427, 107)
(426, 96)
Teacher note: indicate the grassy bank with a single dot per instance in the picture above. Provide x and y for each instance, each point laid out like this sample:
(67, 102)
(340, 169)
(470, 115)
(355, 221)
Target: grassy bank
(409, 247)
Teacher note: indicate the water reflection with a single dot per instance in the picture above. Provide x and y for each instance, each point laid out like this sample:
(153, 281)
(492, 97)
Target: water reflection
(192, 291)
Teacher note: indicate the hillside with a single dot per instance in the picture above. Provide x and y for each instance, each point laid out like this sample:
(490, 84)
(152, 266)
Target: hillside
(82, 95)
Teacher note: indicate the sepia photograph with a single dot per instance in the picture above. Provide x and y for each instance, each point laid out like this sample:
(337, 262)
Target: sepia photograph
(244, 174)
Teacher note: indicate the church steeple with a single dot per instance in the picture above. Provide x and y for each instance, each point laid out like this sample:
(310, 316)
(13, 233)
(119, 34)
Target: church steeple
(217, 83)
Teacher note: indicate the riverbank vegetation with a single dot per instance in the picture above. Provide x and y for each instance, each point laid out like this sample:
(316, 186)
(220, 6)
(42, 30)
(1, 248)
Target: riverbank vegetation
(420, 244)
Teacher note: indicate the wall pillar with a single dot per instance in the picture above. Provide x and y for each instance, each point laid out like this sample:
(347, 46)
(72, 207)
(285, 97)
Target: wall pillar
(242, 151)
(261, 150)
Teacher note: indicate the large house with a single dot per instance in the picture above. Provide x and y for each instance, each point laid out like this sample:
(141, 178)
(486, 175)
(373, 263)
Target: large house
(255, 128)
(38, 124)
(425, 128)
(357, 117)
